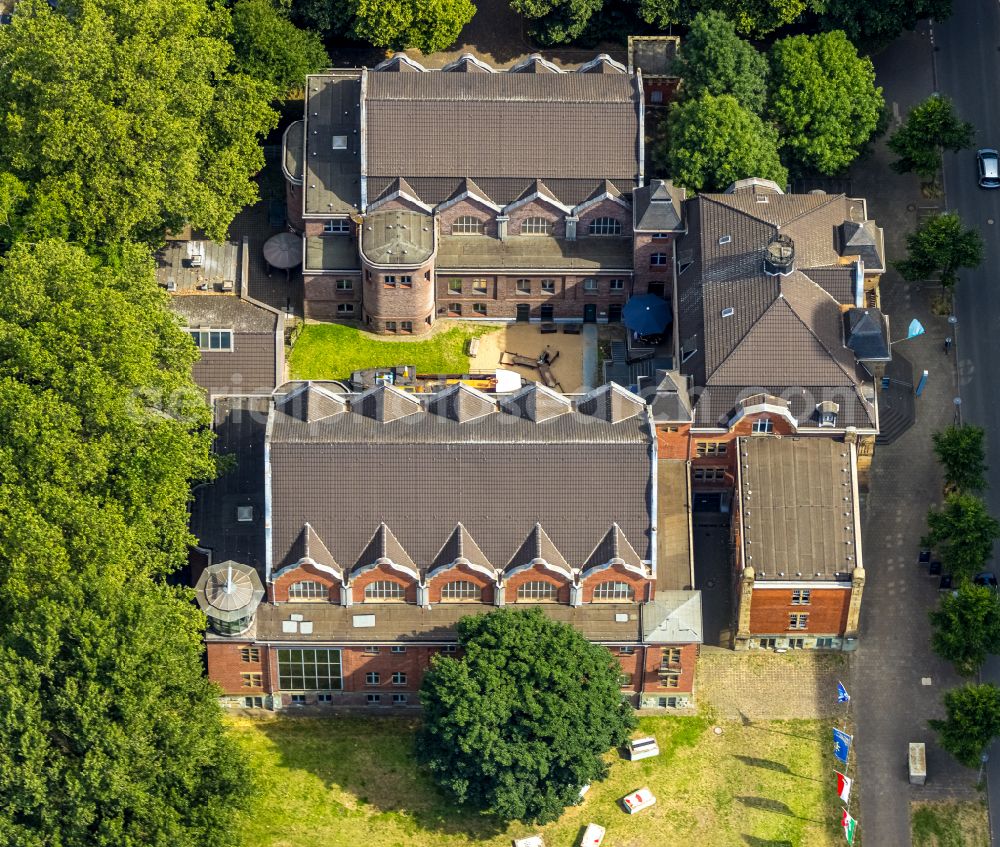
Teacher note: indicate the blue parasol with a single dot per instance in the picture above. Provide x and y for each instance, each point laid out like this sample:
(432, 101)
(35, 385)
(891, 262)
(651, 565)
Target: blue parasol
(647, 314)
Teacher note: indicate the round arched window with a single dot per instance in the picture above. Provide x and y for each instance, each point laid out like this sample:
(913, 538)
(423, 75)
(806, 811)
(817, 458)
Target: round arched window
(384, 591)
(461, 591)
(610, 592)
(308, 589)
(536, 592)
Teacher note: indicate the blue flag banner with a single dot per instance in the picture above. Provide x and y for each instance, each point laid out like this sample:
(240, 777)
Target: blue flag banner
(842, 695)
(841, 745)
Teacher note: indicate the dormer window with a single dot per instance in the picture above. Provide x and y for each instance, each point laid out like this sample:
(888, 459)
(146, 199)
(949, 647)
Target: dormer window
(826, 412)
(214, 340)
(467, 225)
(536, 226)
(605, 226)
(340, 227)
(762, 426)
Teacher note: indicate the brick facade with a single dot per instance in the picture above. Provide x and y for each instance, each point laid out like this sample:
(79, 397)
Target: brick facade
(387, 305)
(325, 296)
(826, 612)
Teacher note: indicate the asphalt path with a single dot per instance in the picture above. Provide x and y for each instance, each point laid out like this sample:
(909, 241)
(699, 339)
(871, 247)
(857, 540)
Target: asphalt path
(968, 71)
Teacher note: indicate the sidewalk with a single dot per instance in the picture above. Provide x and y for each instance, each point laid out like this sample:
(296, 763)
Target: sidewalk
(896, 680)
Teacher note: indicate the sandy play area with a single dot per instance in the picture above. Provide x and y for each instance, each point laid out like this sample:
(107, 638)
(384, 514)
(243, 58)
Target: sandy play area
(527, 340)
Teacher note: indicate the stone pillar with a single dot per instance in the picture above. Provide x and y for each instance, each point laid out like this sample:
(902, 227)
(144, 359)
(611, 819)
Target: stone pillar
(499, 595)
(571, 222)
(502, 227)
(423, 596)
(854, 609)
(347, 595)
(743, 608)
(576, 595)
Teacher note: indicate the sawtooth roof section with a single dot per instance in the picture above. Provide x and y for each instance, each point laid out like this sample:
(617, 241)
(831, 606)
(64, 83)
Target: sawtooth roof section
(461, 403)
(614, 545)
(460, 545)
(310, 546)
(310, 403)
(385, 545)
(502, 125)
(501, 190)
(536, 402)
(612, 403)
(538, 546)
(386, 404)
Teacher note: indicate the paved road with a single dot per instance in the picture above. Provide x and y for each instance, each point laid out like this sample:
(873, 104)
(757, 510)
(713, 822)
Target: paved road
(968, 64)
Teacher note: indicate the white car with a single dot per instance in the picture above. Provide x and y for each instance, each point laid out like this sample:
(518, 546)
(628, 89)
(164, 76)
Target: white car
(636, 801)
(593, 835)
(642, 748)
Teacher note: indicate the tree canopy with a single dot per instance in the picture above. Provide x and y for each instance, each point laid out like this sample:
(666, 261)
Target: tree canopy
(122, 118)
(931, 128)
(714, 141)
(823, 100)
(428, 25)
(967, 627)
(939, 248)
(269, 46)
(876, 24)
(963, 532)
(750, 17)
(715, 60)
(109, 733)
(961, 450)
(520, 723)
(556, 21)
(973, 721)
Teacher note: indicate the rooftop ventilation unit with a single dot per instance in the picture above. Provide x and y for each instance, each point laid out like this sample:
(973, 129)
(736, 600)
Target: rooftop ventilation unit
(779, 258)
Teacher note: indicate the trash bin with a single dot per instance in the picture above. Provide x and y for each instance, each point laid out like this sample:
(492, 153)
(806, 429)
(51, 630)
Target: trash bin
(918, 763)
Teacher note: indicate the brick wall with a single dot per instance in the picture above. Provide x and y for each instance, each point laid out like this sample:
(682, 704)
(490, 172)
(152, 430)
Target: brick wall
(383, 303)
(278, 589)
(536, 574)
(605, 209)
(226, 666)
(321, 296)
(447, 217)
(437, 582)
(383, 573)
(656, 278)
(642, 589)
(537, 209)
(771, 607)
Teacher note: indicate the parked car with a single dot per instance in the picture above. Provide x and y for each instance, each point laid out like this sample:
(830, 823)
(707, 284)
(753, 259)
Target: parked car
(987, 579)
(593, 835)
(988, 167)
(642, 748)
(636, 801)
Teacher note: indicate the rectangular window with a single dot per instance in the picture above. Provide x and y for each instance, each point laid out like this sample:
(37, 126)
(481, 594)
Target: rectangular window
(824, 643)
(454, 286)
(798, 621)
(468, 225)
(523, 286)
(617, 285)
(389, 281)
(479, 308)
(762, 426)
(251, 680)
(215, 340)
(590, 285)
(548, 286)
(671, 657)
(626, 651)
(309, 669)
(711, 448)
(661, 235)
(336, 227)
(372, 678)
(406, 281)
(371, 650)
(399, 699)
(658, 260)
(449, 648)
(455, 310)
(536, 226)
(298, 699)
(345, 308)
(625, 680)
(801, 597)
(397, 649)
(390, 326)
(324, 698)
(398, 678)
(709, 474)
(250, 654)
(656, 97)
(345, 285)
(670, 679)
(667, 702)
(253, 702)
(406, 327)
(373, 699)
(768, 643)
(479, 286)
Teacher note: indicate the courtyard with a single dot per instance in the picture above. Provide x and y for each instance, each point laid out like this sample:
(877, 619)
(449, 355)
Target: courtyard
(345, 781)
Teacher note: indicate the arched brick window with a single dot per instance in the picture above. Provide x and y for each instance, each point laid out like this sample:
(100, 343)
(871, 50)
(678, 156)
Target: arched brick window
(536, 226)
(467, 225)
(308, 589)
(605, 226)
(536, 592)
(384, 591)
(612, 592)
(461, 591)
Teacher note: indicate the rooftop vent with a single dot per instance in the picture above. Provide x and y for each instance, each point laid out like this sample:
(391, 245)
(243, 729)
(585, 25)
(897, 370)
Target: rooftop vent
(779, 259)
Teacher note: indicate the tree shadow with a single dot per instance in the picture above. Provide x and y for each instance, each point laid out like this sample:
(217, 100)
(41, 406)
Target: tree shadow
(754, 841)
(766, 804)
(771, 765)
(782, 732)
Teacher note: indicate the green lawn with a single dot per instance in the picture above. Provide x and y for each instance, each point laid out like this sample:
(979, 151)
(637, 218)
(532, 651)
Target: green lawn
(950, 825)
(333, 351)
(351, 782)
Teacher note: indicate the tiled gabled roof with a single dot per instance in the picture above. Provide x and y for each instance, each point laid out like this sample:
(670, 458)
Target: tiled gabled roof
(460, 545)
(537, 547)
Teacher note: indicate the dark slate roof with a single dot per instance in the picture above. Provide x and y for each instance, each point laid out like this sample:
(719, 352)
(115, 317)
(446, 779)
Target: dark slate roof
(798, 502)
(499, 475)
(748, 330)
(292, 148)
(460, 545)
(867, 334)
(500, 126)
(614, 545)
(658, 207)
(397, 237)
(332, 178)
(239, 425)
(501, 189)
(865, 240)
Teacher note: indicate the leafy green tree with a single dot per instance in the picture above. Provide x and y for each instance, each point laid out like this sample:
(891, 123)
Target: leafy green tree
(125, 427)
(876, 24)
(973, 721)
(714, 141)
(556, 21)
(518, 724)
(110, 736)
(428, 25)
(750, 17)
(961, 450)
(437, 23)
(967, 627)
(715, 60)
(123, 118)
(963, 533)
(270, 47)
(931, 128)
(823, 100)
(939, 248)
